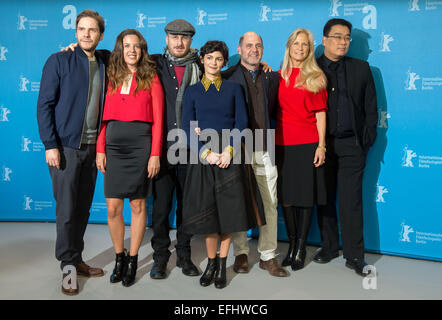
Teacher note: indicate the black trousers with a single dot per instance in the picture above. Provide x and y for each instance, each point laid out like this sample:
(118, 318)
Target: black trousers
(344, 169)
(73, 186)
(170, 178)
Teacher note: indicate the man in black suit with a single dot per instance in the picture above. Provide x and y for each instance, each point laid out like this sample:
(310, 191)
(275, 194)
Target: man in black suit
(351, 130)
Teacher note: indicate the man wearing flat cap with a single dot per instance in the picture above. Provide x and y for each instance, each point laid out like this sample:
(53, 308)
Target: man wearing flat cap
(178, 67)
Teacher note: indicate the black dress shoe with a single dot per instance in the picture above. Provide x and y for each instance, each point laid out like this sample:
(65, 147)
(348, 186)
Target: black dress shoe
(187, 266)
(158, 270)
(120, 263)
(209, 274)
(324, 257)
(358, 266)
(130, 271)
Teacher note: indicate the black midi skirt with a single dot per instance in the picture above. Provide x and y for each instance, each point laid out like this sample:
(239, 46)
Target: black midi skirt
(221, 201)
(128, 145)
(300, 183)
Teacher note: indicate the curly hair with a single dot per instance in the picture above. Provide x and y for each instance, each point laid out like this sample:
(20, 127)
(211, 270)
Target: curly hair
(118, 70)
(214, 45)
(311, 76)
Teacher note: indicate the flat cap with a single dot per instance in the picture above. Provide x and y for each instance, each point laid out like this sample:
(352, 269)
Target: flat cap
(180, 26)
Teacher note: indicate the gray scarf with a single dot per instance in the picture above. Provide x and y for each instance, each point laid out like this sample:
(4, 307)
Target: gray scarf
(191, 76)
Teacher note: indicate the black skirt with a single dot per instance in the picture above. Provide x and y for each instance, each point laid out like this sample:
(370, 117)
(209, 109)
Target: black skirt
(128, 146)
(221, 201)
(300, 183)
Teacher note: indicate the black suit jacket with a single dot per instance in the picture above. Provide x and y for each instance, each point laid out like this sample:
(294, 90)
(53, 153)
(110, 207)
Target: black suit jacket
(362, 100)
(270, 84)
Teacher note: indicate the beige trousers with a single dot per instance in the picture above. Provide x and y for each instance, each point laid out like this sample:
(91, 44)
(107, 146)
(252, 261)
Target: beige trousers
(266, 176)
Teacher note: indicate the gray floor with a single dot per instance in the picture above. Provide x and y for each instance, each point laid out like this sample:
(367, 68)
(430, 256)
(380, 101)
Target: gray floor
(28, 270)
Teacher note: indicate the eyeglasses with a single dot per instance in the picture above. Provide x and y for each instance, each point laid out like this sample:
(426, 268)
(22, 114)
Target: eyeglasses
(340, 38)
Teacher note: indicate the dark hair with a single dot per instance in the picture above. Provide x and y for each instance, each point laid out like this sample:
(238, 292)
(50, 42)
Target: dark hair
(212, 46)
(118, 70)
(91, 14)
(333, 22)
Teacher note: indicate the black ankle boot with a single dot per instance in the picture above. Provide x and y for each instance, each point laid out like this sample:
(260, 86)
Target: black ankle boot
(299, 254)
(209, 274)
(120, 262)
(220, 276)
(131, 271)
(288, 259)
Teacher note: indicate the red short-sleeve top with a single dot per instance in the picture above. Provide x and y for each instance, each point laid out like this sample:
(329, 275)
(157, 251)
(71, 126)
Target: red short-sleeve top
(295, 118)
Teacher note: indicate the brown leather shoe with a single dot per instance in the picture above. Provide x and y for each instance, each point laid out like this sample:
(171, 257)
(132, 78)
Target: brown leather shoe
(241, 264)
(86, 271)
(67, 288)
(273, 267)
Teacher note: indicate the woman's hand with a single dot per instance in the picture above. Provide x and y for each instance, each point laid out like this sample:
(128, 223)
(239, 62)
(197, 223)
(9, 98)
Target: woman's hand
(213, 158)
(265, 67)
(319, 159)
(225, 160)
(153, 166)
(198, 131)
(100, 160)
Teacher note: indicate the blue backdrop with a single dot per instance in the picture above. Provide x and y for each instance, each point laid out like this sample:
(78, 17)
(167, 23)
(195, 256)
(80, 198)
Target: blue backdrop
(400, 39)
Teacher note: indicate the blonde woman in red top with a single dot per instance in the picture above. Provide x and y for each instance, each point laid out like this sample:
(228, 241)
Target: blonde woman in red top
(129, 144)
(300, 141)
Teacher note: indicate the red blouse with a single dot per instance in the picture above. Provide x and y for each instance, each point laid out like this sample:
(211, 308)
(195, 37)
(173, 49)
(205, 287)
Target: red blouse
(146, 105)
(295, 118)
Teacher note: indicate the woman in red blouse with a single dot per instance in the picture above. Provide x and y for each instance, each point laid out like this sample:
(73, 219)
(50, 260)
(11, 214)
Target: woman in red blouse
(129, 144)
(300, 141)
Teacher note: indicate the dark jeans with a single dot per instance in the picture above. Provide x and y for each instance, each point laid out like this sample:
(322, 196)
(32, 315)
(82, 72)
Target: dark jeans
(73, 186)
(344, 169)
(169, 178)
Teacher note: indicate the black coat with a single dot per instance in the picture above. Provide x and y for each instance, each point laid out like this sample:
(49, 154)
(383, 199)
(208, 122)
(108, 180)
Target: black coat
(270, 84)
(362, 100)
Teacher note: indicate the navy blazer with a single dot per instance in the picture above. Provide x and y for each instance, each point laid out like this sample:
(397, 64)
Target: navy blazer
(63, 96)
(270, 84)
(362, 100)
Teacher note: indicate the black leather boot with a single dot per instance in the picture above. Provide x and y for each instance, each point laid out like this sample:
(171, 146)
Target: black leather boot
(209, 274)
(303, 218)
(290, 226)
(120, 262)
(221, 273)
(131, 271)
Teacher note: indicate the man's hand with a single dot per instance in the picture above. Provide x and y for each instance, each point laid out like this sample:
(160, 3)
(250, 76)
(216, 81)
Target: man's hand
(100, 160)
(71, 47)
(153, 166)
(53, 157)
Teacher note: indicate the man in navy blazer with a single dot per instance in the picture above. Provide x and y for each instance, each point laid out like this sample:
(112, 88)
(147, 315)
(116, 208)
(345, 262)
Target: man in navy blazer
(261, 94)
(69, 109)
(351, 130)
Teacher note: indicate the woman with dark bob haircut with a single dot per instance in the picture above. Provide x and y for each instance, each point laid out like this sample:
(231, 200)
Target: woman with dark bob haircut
(217, 198)
(129, 144)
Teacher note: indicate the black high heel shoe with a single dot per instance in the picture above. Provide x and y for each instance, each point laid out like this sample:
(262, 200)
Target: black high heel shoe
(209, 274)
(131, 271)
(120, 262)
(220, 275)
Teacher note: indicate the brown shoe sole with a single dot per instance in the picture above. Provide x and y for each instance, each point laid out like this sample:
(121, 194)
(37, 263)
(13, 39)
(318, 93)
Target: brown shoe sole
(89, 275)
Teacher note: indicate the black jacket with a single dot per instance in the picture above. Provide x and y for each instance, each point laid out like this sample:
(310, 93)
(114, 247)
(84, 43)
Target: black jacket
(270, 84)
(362, 100)
(169, 80)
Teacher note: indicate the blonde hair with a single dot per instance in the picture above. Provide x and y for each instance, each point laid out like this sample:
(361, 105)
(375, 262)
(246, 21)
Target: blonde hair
(311, 76)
